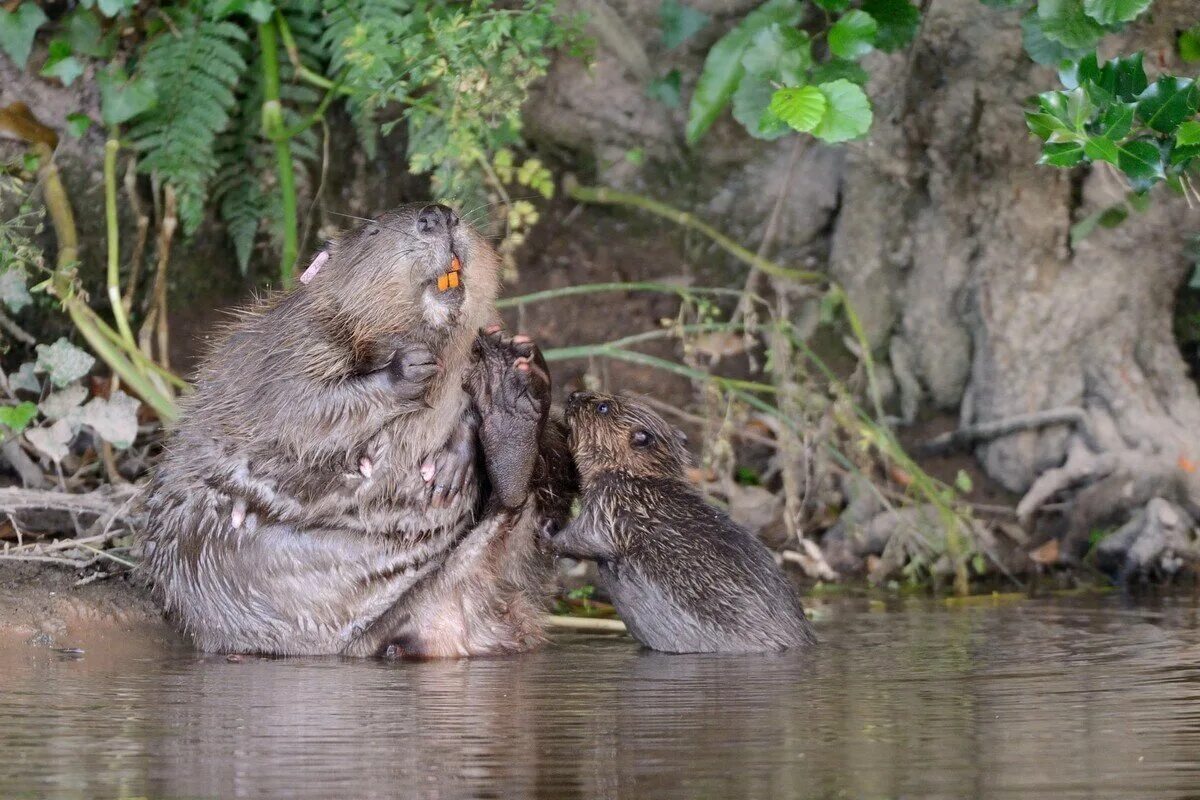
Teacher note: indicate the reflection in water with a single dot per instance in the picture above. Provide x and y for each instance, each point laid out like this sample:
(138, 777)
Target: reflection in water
(1063, 698)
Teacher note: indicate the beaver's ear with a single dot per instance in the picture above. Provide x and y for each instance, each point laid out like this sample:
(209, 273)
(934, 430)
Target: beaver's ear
(315, 265)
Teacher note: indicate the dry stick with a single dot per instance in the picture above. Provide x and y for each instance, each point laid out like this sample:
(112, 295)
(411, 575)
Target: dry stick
(586, 624)
(16, 331)
(966, 436)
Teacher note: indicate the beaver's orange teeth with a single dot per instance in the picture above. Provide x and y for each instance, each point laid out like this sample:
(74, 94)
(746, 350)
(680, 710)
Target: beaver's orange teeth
(448, 280)
(453, 276)
(443, 282)
(455, 264)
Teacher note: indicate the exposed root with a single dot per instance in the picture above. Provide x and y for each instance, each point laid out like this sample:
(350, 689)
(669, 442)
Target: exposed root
(969, 435)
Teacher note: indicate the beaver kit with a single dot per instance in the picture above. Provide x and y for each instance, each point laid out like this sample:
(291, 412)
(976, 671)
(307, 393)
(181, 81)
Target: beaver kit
(352, 473)
(684, 577)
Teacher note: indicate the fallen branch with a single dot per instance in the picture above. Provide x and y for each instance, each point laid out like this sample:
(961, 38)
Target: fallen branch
(101, 502)
(586, 624)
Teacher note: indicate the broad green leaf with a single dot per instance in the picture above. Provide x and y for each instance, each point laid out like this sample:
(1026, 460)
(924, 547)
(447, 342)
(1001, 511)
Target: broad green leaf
(838, 69)
(61, 63)
(723, 65)
(853, 35)
(847, 113)
(121, 98)
(1101, 148)
(1189, 45)
(14, 292)
(666, 89)
(1168, 102)
(1041, 49)
(836, 6)
(78, 124)
(17, 418)
(751, 104)
(1188, 133)
(1113, 12)
(801, 108)
(1065, 22)
(86, 36)
(679, 23)
(63, 362)
(1140, 160)
(898, 21)
(779, 52)
(1062, 154)
(17, 29)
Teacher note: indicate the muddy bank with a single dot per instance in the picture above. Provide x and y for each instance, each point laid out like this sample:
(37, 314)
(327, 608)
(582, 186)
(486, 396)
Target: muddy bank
(41, 608)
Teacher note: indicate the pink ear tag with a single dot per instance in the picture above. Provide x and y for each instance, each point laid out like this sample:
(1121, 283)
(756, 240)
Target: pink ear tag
(318, 261)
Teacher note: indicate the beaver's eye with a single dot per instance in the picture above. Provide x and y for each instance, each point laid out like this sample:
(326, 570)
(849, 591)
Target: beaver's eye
(642, 438)
(602, 408)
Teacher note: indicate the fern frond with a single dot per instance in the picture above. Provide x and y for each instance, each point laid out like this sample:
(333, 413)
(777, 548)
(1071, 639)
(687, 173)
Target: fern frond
(195, 69)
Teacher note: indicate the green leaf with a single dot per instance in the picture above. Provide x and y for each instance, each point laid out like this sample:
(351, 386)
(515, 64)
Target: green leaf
(1101, 148)
(898, 21)
(61, 64)
(836, 6)
(723, 65)
(1114, 12)
(802, 108)
(1140, 160)
(1041, 49)
(78, 124)
(63, 361)
(1065, 22)
(963, 482)
(122, 99)
(1188, 134)
(847, 114)
(17, 418)
(679, 23)
(113, 8)
(837, 69)
(665, 89)
(86, 37)
(1062, 154)
(853, 35)
(1106, 217)
(779, 52)
(751, 107)
(1117, 120)
(1189, 45)
(1168, 102)
(17, 29)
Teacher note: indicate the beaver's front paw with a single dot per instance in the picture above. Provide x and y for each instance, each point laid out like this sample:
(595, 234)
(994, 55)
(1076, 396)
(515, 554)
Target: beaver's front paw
(446, 472)
(511, 387)
(403, 368)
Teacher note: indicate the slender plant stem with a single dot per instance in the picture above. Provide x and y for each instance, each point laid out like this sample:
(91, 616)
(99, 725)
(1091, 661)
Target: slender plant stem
(685, 292)
(272, 126)
(114, 243)
(606, 196)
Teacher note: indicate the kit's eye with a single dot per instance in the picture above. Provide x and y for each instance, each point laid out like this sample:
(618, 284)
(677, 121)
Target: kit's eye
(602, 408)
(642, 438)
(372, 231)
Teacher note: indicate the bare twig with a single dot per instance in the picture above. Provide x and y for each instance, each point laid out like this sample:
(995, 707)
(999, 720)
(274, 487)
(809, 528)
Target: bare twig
(970, 434)
(588, 624)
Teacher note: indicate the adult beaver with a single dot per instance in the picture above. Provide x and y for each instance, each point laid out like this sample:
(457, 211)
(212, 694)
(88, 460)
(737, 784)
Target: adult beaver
(321, 493)
(683, 576)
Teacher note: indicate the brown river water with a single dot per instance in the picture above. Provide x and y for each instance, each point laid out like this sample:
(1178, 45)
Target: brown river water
(1081, 697)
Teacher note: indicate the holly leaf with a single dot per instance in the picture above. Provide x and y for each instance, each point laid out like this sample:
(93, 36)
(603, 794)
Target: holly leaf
(1114, 12)
(853, 35)
(679, 23)
(1062, 154)
(802, 108)
(17, 418)
(1141, 161)
(123, 98)
(17, 30)
(1168, 102)
(1188, 134)
(1065, 22)
(847, 113)
(63, 362)
(1101, 148)
(1117, 120)
(898, 21)
(1042, 49)
(723, 68)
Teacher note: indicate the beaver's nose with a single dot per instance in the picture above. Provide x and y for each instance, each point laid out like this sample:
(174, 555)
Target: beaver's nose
(436, 219)
(576, 399)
